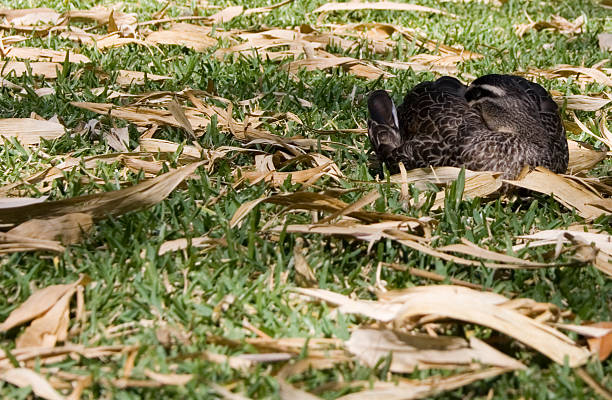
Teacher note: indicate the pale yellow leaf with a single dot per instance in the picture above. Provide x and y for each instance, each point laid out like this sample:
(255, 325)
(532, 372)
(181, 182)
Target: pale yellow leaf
(22, 377)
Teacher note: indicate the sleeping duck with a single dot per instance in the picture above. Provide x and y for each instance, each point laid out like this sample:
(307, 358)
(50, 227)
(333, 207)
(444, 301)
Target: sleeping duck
(498, 123)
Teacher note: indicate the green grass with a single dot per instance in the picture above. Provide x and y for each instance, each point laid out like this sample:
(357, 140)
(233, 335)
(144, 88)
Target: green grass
(183, 289)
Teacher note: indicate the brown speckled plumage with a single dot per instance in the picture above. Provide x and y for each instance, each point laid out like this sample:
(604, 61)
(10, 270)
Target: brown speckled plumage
(498, 123)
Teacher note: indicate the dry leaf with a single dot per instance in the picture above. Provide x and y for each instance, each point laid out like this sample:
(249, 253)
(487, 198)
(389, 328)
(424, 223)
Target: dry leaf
(564, 71)
(288, 392)
(483, 308)
(103, 205)
(117, 139)
(48, 329)
(304, 274)
(605, 41)
(556, 23)
(602, 345)
(195, 37)
(568, 192)
(10, 243)
(39, 303)
(184, 243)
(128, 78)
(169, 379)
(31, 16)
(598, 246)
(582, 102)
(38, 54)
(479, 185)
(226, 14)
(22, 377)
(410, 351)
(582, 157)
(29, 131)
(380, 5)
(405, 389)
(68, 228)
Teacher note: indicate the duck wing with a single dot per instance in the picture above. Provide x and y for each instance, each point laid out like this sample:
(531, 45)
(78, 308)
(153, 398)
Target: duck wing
(429, 119)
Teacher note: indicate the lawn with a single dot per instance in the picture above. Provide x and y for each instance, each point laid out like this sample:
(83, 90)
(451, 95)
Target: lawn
(208, 281)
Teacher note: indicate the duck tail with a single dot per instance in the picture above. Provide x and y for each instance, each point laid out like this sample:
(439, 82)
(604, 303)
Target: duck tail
(383, 125)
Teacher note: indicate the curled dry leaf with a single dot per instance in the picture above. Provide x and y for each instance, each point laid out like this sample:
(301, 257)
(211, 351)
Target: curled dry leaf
(557, 23)
(582, 102)
(22, 377)
(564, 71)
(570, 193)
(29, 131)
(39, 303)
(460, 303)
(583, 157)
(103, 205)
(410, 351)
(596, 247)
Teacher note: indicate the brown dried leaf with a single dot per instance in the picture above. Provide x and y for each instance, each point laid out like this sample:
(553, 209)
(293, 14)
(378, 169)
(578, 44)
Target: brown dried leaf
(184, 243)
(288, 392)
(103, 205)
(31, 16)
(597, 246)
(564, 71)
(226, 15)
(102, 15)
(357, 67)
(456, 302)
(68, 228)
(567, 192)
(13, 243)
(22, 377)
(405, 389)
(582, 102)
(304, 274)
(168, 379)
(380, 5)
(113, 40)
(195, 37)
(128, 78)
(582, 157)
(411, 351)
(602, 345)
(557, 23)
(29, 131)
(479, 185)
(45, 69)
(39, 303)
(38, 54)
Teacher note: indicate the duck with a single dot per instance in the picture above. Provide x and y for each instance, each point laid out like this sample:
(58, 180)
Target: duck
(497, 123)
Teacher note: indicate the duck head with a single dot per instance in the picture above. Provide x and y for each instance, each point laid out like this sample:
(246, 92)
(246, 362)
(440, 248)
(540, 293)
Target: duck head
(383, 125)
